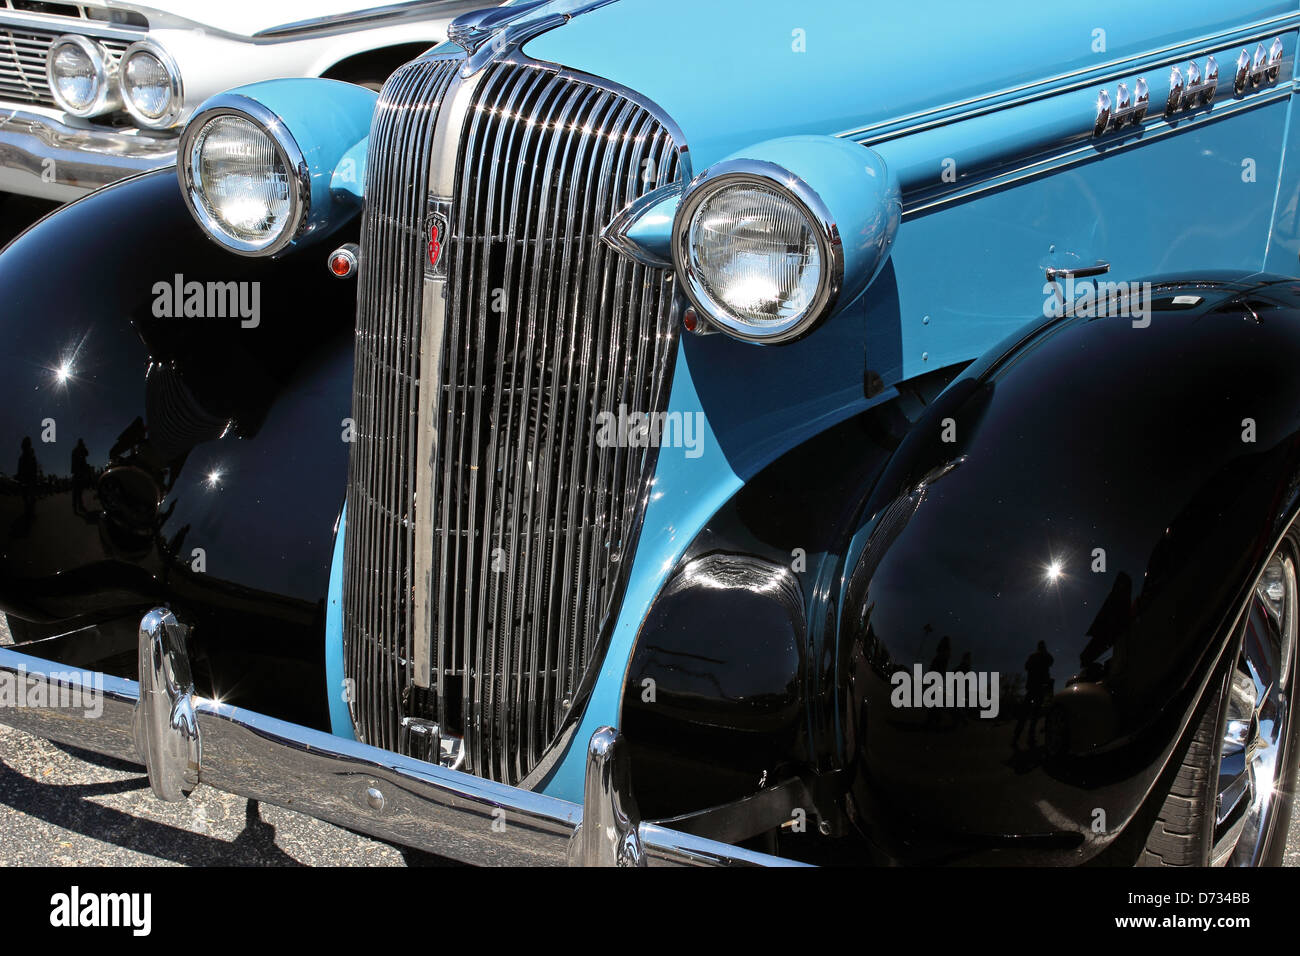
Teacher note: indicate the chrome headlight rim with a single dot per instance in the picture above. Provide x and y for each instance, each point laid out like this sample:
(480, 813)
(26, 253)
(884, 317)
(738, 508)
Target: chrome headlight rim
(107, 94)
(173, 115)
(770, 176)
(233, 104)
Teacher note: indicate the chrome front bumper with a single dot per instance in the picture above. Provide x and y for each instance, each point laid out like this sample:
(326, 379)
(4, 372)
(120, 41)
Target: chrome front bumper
(184, 740)
(40, 156)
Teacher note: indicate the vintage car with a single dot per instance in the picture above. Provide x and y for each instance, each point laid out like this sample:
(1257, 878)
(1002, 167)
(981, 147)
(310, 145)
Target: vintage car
(663, 432)
(92, 91)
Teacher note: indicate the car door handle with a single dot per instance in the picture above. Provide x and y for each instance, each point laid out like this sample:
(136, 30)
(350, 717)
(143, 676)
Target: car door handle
(1100, 267)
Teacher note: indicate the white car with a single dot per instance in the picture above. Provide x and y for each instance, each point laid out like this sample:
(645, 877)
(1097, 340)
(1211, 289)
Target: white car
(92, 91)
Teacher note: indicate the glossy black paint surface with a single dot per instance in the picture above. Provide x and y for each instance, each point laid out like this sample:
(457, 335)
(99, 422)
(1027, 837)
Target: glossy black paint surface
(173, 434)
(961, 556)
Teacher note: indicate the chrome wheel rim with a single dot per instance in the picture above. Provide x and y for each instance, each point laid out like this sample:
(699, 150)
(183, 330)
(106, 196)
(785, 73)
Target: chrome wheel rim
(1256, 727)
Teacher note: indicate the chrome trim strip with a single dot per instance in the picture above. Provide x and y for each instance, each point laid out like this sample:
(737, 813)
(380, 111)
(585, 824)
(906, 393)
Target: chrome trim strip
(94, 29)
(443, 172)
(380, 16)
(1041, 167)
(1146, 61)
(350, 784)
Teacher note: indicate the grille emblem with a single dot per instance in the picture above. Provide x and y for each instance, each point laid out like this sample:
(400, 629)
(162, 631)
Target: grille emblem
(438, 218)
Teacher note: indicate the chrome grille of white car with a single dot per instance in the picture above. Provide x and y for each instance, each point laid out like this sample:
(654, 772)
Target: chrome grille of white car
(22, 62)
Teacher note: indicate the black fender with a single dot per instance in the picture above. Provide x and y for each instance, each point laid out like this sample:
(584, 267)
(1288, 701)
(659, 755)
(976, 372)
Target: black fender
(1107, 487)
(214, 461)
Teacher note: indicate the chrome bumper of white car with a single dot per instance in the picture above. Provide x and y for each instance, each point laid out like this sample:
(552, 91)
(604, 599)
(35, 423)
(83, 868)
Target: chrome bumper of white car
(40, 156)
(184, 740)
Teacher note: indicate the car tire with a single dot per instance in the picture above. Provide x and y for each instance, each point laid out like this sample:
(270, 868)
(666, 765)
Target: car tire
(1231, 799)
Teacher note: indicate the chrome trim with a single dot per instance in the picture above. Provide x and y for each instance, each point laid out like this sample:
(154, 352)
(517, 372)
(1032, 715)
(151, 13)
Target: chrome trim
(164, 723)
(84, 159)
(235, 104)
(176, 105)
(1255, 728)
(380, 16)
(617, 233)
(755, 172)
(106, 68)
(610, 831)
(959, 110)
(350, 784)
(1130, 107)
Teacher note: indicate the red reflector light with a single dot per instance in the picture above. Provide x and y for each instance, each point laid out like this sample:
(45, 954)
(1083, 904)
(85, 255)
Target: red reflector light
(343, 260)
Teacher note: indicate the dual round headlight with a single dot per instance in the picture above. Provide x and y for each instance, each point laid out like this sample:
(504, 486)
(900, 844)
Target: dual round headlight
(758, 251)
(243, 176)
(86, 81)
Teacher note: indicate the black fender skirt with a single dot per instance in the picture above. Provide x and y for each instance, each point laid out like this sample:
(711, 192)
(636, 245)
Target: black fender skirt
(1075, 521)
(172, 432)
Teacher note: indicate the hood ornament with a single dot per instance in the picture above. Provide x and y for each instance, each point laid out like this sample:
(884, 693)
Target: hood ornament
(471, 30)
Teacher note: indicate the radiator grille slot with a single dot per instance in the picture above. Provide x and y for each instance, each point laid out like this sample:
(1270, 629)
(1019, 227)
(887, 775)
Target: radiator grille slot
(547, 328)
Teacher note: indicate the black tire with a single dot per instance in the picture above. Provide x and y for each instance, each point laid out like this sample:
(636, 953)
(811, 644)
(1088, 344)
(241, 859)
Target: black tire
(1184, 828)
(1184, 831)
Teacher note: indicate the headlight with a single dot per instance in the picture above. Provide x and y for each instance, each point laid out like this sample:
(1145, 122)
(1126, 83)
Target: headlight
(243, 176)
(759, 252)
(82, 76)
(151, 86)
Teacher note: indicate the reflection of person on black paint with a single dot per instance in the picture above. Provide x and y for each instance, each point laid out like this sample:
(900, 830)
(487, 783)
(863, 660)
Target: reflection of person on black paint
(1038, 684)
(28, 474)
(80, 476)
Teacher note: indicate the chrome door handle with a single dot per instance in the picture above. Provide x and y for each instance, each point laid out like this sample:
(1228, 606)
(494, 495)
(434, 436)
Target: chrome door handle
(1100, 267)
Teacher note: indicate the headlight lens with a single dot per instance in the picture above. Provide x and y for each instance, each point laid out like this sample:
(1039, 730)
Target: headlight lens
(242, 183)
(151, 86)
(756, 255)
(757, 261)
(80, 74)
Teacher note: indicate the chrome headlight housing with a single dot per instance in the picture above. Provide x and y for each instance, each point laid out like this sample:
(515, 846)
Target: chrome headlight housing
(82, 76)
(758, 251)
(243, 176)
(151, 86)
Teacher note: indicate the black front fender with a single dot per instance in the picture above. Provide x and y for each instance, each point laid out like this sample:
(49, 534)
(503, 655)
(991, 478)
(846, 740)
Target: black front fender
(1077, 521)
(156, 456)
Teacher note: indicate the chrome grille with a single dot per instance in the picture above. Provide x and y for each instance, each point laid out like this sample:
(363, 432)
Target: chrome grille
(22, 63)
(546, 328)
